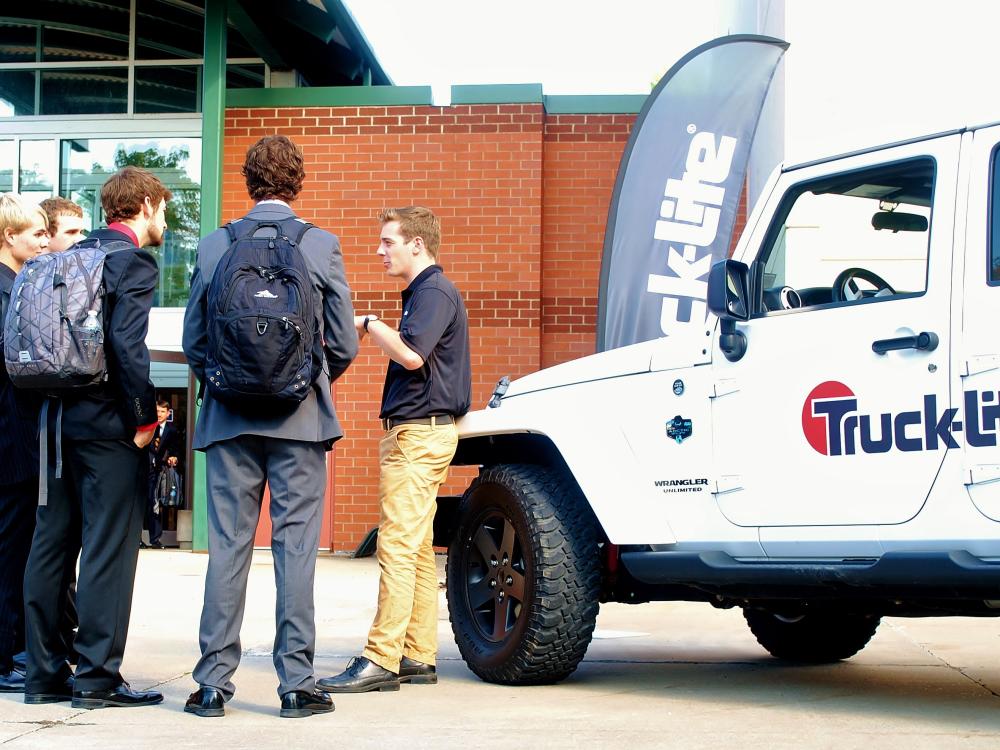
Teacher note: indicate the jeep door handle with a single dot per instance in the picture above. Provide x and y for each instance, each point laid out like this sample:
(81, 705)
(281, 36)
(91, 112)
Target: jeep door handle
(926, 341)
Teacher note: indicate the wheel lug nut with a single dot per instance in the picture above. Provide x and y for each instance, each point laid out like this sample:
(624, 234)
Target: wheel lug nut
(509, 581)
(493, 562)
(501, 595)
(493, 583)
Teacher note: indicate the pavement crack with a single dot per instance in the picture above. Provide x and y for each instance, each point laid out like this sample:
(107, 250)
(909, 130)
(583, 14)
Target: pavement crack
(930, 652)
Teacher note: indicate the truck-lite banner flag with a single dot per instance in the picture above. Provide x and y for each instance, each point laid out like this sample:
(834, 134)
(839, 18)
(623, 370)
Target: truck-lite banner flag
(678, 186)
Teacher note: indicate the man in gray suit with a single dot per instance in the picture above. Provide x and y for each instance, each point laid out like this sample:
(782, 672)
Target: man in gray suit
(246, 447)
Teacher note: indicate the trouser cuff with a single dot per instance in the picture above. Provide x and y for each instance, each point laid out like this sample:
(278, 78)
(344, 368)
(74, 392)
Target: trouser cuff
(382, 661)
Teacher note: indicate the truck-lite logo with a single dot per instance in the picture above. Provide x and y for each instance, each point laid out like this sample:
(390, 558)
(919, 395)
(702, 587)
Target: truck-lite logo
(689, 216)
(834, 427)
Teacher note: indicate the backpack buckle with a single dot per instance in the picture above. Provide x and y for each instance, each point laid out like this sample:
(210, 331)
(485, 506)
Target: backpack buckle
(261, 326)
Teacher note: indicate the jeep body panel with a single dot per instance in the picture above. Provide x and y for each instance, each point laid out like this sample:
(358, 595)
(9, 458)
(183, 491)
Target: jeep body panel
(747, 482)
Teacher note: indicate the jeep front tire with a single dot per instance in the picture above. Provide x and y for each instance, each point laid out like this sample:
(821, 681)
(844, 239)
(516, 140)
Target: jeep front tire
(523, 576)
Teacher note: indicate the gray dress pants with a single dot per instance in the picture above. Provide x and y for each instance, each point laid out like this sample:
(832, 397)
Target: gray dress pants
(237, 471)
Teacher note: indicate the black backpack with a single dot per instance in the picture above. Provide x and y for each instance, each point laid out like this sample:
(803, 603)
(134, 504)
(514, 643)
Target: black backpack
(265, 347)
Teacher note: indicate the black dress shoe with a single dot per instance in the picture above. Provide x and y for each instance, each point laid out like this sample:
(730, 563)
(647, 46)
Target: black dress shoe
(12, 681)
(57, 694)
(416, 672)
(361, 676)
(156, 545)
(299, 704)
(143, 545)
(205, 701)
(121, 696)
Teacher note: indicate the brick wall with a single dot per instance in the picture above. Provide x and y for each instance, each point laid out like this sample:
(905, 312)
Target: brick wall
(523, 198)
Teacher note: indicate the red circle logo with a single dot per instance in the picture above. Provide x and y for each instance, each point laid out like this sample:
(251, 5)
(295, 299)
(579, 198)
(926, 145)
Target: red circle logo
(813, 427)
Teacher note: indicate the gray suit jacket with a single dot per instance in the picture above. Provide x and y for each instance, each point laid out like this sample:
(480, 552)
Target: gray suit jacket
(314, 420)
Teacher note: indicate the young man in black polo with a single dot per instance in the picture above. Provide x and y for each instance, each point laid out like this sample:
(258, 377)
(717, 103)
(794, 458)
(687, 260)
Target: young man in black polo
(428, 384)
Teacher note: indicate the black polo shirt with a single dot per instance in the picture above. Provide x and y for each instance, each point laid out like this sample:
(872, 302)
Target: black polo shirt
(435, 325)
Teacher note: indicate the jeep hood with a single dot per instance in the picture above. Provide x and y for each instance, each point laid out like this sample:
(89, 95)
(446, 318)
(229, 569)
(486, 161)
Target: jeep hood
(666, 353)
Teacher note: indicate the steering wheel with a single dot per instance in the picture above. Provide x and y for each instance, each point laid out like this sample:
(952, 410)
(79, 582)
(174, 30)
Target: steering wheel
(846, 290)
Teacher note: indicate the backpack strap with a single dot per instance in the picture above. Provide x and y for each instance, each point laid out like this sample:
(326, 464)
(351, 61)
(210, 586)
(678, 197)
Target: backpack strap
(301, 227)
(243, 228)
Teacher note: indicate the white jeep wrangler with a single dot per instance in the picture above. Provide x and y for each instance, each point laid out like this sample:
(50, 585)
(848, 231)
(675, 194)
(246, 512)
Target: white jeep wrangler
(822, 452)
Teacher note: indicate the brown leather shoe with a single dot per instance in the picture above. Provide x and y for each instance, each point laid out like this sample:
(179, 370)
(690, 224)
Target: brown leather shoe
(416, 672)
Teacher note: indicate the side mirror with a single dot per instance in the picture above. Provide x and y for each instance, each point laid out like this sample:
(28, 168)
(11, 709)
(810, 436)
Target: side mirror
(729, 298)
(729, 290)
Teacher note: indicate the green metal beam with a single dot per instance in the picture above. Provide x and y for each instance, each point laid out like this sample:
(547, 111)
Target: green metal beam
(213, 108)
(501, 93)
(256, 38)
(330, 96)
(590, 104)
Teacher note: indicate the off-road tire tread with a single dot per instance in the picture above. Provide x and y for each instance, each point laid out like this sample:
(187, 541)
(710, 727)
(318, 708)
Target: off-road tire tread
(567, 577)
(818, 638)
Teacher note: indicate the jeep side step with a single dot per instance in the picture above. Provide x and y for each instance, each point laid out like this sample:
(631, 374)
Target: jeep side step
(921, 575)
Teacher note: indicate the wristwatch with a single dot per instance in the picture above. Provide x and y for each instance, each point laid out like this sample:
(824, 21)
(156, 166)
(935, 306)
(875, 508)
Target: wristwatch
(369, 319)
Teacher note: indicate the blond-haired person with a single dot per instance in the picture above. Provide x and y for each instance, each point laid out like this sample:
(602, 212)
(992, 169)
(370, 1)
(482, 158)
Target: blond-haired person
(24, 231)
(23, 235)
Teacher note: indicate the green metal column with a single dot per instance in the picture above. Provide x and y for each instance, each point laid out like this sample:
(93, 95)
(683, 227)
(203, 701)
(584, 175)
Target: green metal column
(213, 111)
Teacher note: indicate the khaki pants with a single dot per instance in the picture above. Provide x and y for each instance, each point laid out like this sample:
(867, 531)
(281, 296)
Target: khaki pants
(413, 461)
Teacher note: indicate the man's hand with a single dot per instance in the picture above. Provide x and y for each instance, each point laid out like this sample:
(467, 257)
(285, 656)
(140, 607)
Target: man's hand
(143, 438)
(359, 323)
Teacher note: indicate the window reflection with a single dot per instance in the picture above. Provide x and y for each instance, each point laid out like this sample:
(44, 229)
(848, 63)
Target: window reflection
(87, 163)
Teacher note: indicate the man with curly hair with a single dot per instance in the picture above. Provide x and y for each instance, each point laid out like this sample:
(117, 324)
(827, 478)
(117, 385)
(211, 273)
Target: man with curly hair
(246, 447)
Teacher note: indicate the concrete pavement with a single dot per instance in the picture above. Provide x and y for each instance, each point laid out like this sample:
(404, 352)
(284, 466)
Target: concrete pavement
(657, 675)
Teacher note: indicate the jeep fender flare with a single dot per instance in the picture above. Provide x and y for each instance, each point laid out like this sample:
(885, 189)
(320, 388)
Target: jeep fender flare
(606, 470)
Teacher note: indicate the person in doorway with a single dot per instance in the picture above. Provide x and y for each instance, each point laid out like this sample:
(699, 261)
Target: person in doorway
(97, 508)
(23, 235)
(65, 223)
(163, 450)
(247, 447)
(428, 384)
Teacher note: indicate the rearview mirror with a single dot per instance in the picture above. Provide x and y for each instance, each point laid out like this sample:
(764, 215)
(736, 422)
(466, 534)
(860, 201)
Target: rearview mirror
(896, 221)
(729, 290)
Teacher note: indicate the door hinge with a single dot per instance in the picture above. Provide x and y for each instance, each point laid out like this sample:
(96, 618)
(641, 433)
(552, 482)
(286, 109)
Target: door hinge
(980, 363)
(728, 483)
(725, 386)
(980, 474)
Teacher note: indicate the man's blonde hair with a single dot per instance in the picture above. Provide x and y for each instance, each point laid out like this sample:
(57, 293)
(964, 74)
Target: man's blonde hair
(15, 215)
(416, 221)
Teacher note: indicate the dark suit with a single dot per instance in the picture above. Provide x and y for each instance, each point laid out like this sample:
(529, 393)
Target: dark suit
(166, 443)
(18, 494)
(98, 506)
(244, 449)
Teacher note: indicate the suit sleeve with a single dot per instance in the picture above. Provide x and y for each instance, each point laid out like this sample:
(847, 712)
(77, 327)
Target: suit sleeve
(195, 338)
(127, 328)
(340, 338)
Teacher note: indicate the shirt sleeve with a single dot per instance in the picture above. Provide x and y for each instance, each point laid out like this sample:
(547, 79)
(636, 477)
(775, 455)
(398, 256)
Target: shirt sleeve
(127, 328)
(195, 336)
(427, 318)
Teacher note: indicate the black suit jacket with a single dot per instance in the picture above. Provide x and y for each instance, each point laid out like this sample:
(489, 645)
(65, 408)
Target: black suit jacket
(170, 444)
(126, 400)
(18, 412)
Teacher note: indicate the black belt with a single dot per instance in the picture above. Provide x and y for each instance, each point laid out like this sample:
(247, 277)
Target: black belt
(388, 424)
